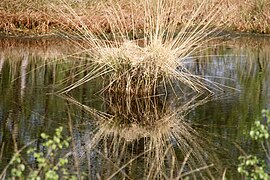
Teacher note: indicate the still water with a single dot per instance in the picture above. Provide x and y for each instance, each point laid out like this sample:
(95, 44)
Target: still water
(32, 70)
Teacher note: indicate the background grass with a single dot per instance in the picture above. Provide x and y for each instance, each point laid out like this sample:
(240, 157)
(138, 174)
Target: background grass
(42, 17)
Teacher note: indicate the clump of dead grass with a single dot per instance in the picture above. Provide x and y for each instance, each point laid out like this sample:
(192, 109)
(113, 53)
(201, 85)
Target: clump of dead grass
(139, 66)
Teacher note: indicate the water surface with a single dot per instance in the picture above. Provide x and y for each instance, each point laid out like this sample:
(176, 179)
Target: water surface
(32, 70)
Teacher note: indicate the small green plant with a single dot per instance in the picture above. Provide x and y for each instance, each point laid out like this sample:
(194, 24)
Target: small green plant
(49, 165)
(259, 131)
(19, 167)
(251, 166)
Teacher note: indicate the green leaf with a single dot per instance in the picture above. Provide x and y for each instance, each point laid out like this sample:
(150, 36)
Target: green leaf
(44, 136)
(56, 139)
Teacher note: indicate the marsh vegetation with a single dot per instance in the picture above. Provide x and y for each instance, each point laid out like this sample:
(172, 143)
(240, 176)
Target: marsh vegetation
(132, 90)
(36, 18)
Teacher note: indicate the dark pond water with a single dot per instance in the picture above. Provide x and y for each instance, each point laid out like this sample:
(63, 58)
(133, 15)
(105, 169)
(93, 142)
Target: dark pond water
(31, 70)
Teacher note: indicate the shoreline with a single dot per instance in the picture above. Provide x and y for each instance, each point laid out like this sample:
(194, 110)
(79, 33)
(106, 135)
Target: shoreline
(226, 34)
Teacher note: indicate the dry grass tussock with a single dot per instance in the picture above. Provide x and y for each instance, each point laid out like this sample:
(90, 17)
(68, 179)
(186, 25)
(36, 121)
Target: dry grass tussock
(139, 63)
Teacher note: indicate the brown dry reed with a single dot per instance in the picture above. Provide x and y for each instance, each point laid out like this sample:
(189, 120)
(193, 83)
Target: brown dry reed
(36, 17)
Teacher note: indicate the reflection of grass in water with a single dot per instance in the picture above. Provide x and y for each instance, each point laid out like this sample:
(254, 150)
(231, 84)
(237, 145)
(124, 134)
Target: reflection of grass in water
(168, 147)
(21, 58)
